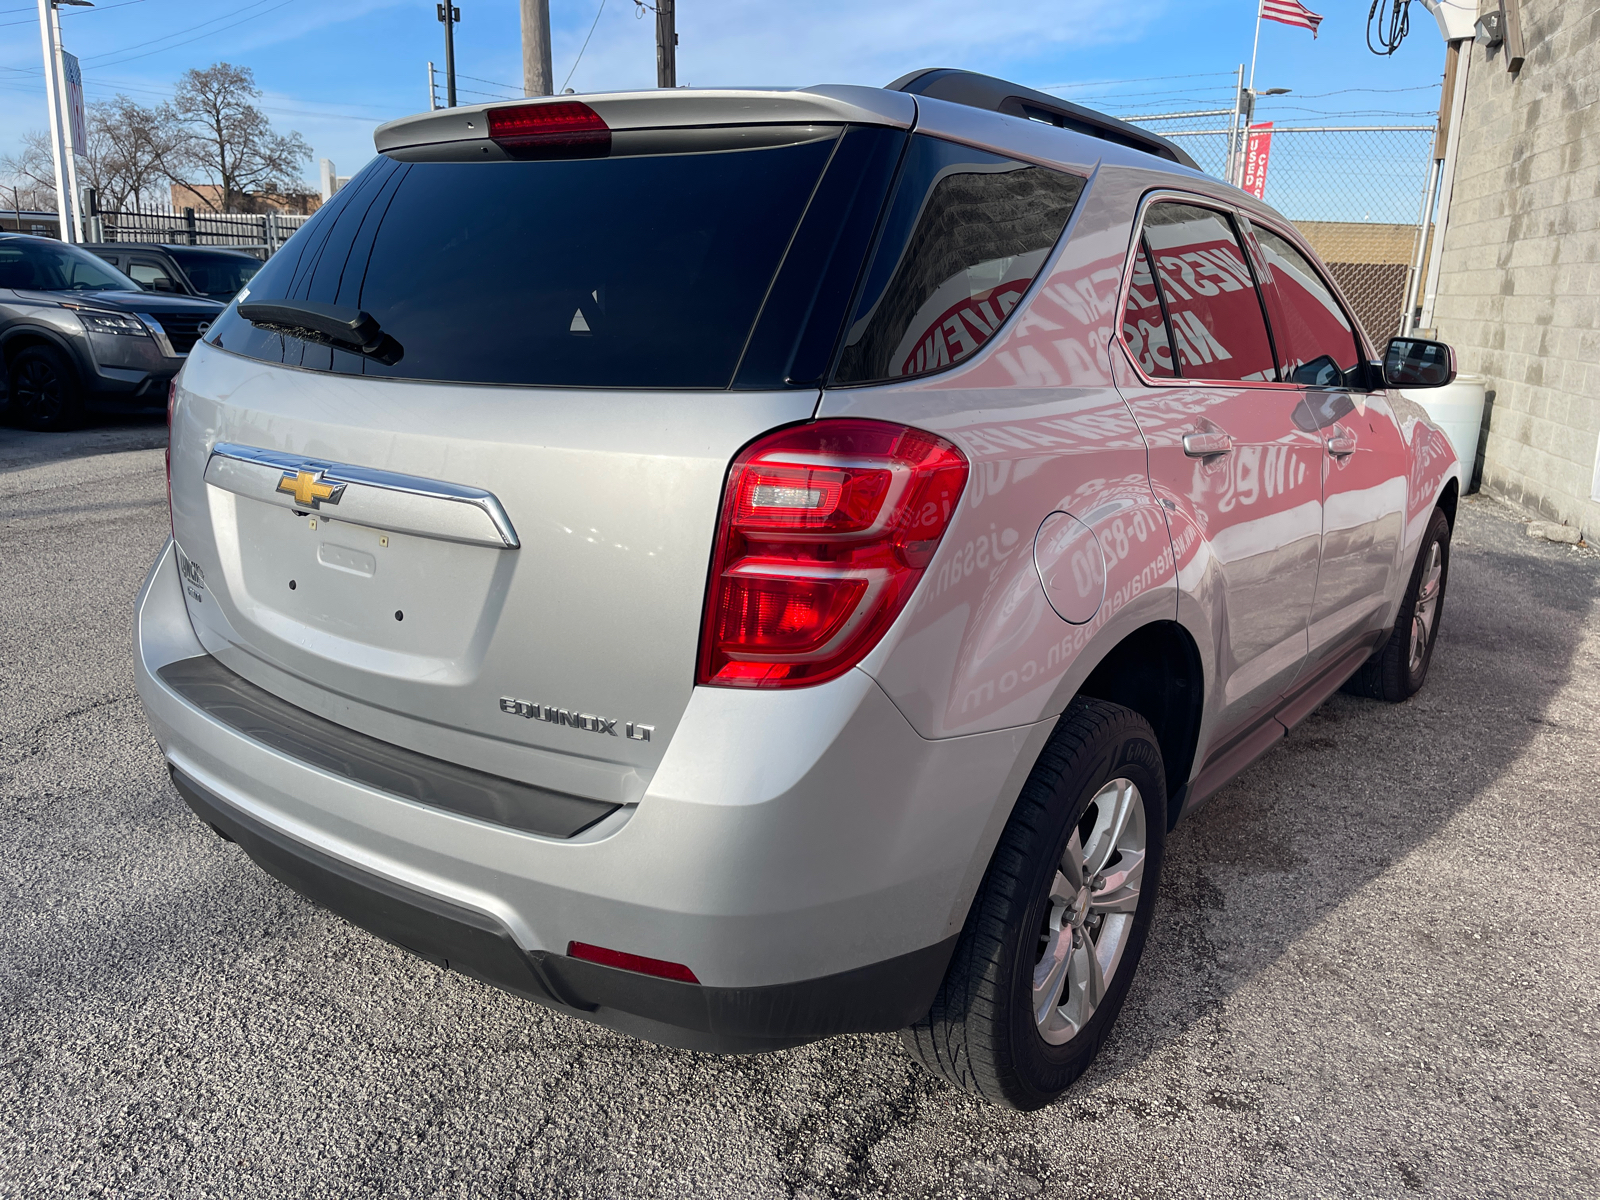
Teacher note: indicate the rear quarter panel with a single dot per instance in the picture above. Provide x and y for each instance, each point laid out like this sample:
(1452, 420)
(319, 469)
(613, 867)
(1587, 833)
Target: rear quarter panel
(1045, 431)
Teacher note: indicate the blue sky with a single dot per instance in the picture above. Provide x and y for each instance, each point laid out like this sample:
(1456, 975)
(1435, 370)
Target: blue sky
(333, 71)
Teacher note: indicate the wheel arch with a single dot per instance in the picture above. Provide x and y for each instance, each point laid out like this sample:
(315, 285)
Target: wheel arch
(1448, 498)
(1156, 671)
(24, 337)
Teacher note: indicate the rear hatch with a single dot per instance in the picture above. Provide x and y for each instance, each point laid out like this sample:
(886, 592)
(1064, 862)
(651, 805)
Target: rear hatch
(481, 526)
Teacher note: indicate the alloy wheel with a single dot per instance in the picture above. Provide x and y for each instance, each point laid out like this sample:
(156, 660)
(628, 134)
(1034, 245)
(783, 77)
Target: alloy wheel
(1426, 610)
(38, 392)
(1094, 897)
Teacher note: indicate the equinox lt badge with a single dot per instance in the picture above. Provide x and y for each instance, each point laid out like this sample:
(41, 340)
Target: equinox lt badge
(577, 720)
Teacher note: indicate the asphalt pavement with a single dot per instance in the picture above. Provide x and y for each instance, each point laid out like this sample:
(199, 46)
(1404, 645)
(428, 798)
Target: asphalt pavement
(1375, 969)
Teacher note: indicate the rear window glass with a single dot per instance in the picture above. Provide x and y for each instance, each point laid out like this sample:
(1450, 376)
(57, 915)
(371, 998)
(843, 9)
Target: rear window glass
(1211, 298)
(964, 236)
(646, 271)
(1144, 325)
(218, 275)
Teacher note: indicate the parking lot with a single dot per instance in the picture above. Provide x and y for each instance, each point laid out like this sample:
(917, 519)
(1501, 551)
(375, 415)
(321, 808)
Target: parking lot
(1375, 969)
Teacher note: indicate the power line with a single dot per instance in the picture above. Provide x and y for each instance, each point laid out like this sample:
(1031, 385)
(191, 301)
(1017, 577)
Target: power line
(71, 12)
(175, 33)
(584, 47)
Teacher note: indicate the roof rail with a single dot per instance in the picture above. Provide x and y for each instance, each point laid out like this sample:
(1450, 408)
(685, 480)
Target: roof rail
(1002, 96)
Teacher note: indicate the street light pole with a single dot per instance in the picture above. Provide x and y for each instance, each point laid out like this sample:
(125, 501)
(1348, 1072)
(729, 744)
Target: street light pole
(47, 39)
(64, 106)
(449, 14)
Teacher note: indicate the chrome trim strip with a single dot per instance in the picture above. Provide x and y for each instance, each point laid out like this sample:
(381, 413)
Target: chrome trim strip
(378, 499)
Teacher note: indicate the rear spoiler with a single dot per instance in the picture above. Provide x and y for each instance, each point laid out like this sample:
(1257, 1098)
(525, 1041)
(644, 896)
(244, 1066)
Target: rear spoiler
(1002, 96)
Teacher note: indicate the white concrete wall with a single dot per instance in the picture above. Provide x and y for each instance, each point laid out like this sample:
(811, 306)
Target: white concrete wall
(1519, 288)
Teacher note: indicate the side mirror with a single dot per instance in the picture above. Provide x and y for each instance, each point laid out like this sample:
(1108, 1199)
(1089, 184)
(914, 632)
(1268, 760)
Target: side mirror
(162, 284)
(1414, 363)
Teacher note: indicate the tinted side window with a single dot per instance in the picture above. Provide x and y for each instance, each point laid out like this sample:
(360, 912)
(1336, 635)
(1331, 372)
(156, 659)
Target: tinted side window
(1316, 343)
(1144, 325)
(965, 233)
(1215, 311)
(149, 274)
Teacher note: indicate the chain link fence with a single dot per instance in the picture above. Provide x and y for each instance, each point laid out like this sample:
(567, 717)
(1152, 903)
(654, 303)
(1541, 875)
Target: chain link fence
(1354, 191)
(260, 233)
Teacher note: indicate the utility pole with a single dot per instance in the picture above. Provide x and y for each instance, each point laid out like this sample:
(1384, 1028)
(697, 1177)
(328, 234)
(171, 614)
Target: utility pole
(538, 77)
(666, 44)
(449, 14)
(433, 96)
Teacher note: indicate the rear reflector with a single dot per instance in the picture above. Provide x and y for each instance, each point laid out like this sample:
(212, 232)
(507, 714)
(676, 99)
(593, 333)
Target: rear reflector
(555, 128)
(630, 962)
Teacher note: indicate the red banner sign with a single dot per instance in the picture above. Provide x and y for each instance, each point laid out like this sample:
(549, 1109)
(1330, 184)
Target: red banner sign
(1256, 152)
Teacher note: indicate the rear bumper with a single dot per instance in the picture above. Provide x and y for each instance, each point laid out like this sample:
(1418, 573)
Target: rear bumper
(876, 998)
(805, 854)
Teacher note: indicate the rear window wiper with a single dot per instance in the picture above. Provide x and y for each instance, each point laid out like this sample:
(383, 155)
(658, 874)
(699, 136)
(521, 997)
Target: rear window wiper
(338, 325)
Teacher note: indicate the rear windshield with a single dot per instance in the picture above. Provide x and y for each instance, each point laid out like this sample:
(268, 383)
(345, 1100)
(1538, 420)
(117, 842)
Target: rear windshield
(647, 271)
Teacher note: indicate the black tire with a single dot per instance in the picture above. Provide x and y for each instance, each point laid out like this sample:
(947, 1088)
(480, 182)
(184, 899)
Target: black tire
(982, 1033)
(44, 390)
(1400, 667)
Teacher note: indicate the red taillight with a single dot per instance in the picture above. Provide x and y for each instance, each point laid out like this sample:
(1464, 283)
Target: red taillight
(631, 962)
(172, 399)
(554, 127)
(825, 530)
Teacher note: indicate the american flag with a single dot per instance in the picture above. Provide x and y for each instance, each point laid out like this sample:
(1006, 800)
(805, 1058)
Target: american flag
(1291, 12)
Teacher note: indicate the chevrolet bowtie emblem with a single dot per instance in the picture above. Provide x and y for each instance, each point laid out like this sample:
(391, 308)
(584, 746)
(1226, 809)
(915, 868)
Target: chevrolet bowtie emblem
(308, 489)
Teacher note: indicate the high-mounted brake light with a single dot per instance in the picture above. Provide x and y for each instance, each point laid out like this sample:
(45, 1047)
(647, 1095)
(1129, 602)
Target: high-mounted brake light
(554, 127)
(825, 530)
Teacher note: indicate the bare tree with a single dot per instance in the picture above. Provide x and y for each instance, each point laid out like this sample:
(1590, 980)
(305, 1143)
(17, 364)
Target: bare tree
(132, 149)
(231, 145)
(30, 175)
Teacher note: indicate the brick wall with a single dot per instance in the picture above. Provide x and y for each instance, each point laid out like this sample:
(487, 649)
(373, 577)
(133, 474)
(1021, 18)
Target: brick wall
(1519, 288)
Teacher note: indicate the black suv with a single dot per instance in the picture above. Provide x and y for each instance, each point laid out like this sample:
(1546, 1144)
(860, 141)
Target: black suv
(77, 335)
(207, 271)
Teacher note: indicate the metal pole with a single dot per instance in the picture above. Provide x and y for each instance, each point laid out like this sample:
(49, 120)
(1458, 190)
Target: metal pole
(65, 109)
(666, 44)
(53, 99)
(1257, 48)
(1447, 179)
(1233, 128)
(538, 77)
(433, 99)
(449, 14)
(1408, 318)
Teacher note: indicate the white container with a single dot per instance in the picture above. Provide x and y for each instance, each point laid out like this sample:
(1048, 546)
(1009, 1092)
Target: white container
(1457, 408)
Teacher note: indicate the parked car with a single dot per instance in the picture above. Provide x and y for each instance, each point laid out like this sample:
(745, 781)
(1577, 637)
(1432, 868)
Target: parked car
(741, 567)
(209, 271)
(77, 335)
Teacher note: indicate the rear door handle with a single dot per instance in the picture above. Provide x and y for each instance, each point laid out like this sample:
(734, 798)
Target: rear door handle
(1204, 445)
(1341, 444)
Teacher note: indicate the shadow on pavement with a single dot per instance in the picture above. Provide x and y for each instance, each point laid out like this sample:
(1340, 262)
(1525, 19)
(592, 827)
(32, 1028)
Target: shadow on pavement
(21, 448)
(1357, 787)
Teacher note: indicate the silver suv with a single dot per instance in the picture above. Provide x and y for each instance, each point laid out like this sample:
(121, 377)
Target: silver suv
(746, 566)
